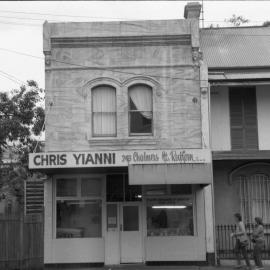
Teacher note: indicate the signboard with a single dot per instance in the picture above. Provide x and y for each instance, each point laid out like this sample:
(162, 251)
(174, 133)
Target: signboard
(51, 160)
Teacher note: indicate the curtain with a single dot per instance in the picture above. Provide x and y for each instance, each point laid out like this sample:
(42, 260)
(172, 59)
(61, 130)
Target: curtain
(104, 111)
(141, 96)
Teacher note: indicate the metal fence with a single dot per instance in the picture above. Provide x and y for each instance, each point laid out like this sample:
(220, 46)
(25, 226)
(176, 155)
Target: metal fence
(21, 242)
(225, 243)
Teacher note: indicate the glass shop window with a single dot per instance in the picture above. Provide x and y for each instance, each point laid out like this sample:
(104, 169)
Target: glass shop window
(78, 207)
(140, 110)
(169, 210)
(170, 217)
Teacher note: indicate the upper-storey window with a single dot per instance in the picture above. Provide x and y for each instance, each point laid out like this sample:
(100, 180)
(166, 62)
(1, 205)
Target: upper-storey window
(104, 111)
(243, 115)
(140, 110)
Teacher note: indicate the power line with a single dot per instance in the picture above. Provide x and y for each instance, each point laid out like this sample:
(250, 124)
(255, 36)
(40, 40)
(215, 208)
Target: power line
(9, 78)
(7, 74)
(24, 18)
(65, 15)
(21, 24)
(21, 53)
(101, 68)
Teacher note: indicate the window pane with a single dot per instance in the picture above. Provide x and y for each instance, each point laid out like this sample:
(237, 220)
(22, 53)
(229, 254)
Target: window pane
(181, 189)
(66, 187)
(91, 187)
(139, 123)
(156, 190)
(141, 97)
(115, 188)
(78, 219)
(140, 107)
(104, 111)
(132, 192)
(104, 124)
(111, 216)
(169, 217)
(130, 218)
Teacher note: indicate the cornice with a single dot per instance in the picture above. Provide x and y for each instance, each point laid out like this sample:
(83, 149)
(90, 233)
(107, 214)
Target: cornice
(74, 67)
(160, 40)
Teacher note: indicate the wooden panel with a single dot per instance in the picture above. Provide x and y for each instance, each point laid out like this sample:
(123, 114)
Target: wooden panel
(21, 243)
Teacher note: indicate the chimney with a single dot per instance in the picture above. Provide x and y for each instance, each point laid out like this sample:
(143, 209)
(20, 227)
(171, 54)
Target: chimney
(192, 10)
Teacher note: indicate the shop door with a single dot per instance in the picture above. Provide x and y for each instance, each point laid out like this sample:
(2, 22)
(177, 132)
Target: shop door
(131, 250)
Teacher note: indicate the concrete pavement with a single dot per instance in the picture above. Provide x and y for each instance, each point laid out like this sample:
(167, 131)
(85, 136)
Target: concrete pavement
(144, 267)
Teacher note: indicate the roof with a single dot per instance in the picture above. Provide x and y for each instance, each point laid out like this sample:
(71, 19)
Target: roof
(244, 47)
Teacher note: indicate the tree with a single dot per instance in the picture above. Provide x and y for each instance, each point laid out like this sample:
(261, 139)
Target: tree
(266, 23)
(237, 20)
(21, 119)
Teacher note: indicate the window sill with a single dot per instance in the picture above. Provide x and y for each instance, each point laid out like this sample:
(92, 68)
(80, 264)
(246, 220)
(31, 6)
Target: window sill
(138, 140)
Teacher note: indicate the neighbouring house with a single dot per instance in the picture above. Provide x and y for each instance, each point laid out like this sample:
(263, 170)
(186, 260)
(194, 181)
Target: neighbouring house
(127, 149)
(238, 62)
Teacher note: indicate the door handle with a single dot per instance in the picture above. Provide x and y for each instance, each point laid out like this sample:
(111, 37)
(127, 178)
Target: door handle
(121, 227)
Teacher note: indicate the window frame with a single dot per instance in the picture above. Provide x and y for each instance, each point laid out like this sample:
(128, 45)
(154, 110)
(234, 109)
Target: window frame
(76, 198)
(92, 112)
(133, 134)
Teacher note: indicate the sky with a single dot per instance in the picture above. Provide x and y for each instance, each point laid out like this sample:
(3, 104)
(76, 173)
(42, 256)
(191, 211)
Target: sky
(21, 26)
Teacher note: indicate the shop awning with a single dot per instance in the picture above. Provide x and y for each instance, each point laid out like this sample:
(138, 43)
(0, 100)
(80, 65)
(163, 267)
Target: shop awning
(170, 174)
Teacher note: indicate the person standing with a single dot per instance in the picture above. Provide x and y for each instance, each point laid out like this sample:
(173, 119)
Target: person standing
(258, 240)
(241, 241)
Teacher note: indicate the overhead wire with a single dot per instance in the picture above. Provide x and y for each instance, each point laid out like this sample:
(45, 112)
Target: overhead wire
(65, 15)
(9, 78)
(8, 74)
(102, 68)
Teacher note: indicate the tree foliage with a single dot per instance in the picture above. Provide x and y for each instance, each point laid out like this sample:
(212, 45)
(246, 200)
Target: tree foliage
(237, 20)
(21, 115)
(266, 23)
(21, 119)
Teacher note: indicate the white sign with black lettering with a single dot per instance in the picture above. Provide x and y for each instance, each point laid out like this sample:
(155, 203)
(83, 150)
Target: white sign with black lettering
(117, 158)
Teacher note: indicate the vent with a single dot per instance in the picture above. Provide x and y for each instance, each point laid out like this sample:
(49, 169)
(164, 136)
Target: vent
(34, 197)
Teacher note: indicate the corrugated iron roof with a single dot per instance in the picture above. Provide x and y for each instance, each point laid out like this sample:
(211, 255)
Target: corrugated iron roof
(236, 47)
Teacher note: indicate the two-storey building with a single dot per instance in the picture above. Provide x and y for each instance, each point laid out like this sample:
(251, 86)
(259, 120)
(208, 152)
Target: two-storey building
(127, 148)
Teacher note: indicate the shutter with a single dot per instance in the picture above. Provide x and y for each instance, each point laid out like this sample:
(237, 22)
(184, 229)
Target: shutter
(34, 197)
(243, 115)
(236, 116)
(250, 119)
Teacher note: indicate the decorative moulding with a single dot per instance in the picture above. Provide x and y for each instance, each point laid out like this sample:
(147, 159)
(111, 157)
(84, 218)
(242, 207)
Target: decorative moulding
(248, 169)
(159, 40)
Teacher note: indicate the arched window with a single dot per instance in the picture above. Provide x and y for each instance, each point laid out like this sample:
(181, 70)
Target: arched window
(103, 111)
(254, 193)
(140, 110)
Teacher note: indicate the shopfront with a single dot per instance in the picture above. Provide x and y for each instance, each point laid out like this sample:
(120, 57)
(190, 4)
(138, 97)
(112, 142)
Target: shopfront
(132, 211)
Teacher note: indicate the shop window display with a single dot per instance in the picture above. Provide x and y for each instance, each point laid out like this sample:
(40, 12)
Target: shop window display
(78, 213)
(170, 217)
